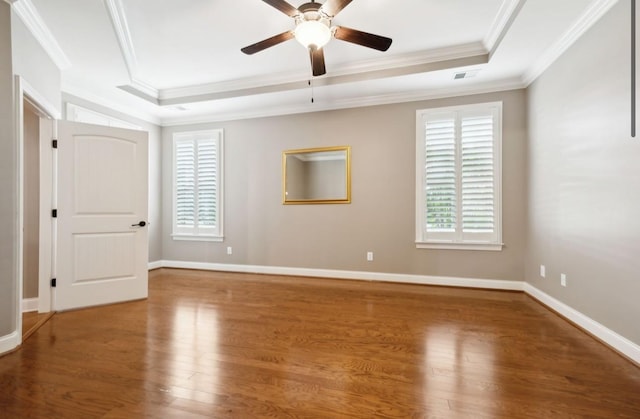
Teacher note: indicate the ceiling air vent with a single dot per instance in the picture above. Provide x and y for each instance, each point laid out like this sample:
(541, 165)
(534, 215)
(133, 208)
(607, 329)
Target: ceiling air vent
(465, 74)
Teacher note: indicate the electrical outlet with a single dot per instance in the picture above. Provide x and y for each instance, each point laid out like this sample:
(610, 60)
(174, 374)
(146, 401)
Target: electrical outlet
(369, 256)
(543, 271)
(229, 250)
(563, 280)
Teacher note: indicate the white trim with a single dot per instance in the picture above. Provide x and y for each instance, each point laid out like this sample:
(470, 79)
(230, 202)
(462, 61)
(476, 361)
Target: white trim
(77, 113)
(10, 342)
(29, 305)
(41, 102)
(355, 71)
(121, 28)
(46, 246)
(355, 275)
(144, 87)
(592, 14)
(18, 278)
(493, 247)
(414, 96)
(502, 23)
(155, 265)
(33, 21)
(134, 112)
(197, 238)
(601, 332)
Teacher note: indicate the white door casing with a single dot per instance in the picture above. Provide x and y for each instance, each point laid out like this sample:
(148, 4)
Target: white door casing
(102, 252)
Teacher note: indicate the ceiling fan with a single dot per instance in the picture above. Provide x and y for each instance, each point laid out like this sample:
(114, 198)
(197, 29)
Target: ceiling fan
(313, 30)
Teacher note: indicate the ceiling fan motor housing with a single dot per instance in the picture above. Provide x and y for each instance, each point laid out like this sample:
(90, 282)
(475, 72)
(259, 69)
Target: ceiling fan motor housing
(313, 26)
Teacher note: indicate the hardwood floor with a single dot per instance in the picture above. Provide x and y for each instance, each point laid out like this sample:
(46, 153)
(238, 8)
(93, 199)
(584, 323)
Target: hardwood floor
(32, 321)
(249, 346)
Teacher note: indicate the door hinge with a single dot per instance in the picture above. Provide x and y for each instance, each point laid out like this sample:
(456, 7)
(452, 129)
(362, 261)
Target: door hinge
(54, 143)
(54, 213)
(53, 282)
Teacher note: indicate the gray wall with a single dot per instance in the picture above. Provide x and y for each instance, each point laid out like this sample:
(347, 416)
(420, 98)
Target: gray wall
(155, 176)
(8, 180)
(583, 177)
(31, 230)
(381, 216)
(325, 179)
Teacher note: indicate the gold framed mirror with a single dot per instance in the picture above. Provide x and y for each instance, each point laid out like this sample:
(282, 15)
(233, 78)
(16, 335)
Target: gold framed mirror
(317, 175)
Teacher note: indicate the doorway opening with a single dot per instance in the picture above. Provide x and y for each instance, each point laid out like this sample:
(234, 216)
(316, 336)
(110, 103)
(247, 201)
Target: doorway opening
(34, 196)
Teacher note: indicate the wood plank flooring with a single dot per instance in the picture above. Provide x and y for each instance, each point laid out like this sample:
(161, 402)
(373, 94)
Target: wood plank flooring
(32, 321)
(222, 345)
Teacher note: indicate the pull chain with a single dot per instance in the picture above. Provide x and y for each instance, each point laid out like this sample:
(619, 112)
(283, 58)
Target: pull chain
(311, 86)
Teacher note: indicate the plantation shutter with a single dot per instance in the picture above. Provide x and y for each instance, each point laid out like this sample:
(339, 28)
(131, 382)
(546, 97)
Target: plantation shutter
(440, 175)
(459, 183)
(477, 174)
(185, 156)
(197, 184)
(207, 183)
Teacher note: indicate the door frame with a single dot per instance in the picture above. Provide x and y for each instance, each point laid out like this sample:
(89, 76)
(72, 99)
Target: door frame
(46, 110)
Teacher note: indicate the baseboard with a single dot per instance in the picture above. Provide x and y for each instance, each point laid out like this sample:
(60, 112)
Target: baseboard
(29, 304)
(9, 342)
(155, 265)
(355, 275)
(601, 332)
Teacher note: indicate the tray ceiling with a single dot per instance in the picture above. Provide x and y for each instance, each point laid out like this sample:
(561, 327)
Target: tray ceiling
(172, 62)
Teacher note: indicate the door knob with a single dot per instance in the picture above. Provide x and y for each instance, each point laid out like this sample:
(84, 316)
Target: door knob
(140, 224)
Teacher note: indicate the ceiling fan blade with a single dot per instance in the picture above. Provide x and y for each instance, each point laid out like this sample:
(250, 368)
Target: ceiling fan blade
(381, 43)
(269, 42)
(333, 7)
(317, 61)
(284, 7)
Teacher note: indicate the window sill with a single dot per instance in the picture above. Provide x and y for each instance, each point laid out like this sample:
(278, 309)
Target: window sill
(190, 237)
(493, 247)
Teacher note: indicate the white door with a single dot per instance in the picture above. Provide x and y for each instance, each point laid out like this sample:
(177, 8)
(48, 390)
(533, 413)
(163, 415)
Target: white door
(102, 249)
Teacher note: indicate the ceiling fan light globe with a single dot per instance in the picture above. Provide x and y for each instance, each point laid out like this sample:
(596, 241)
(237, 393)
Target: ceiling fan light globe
(312, 32)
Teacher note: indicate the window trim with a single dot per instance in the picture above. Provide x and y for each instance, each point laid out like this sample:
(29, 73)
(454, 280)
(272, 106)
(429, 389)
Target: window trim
(458, 243)
(218, 233)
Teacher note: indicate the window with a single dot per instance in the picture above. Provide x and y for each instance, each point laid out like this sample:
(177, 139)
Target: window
(197, 185)
(458, 177)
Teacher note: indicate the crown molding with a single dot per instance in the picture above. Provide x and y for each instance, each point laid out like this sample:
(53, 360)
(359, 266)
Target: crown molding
(498, 86)
(83, 93)
(123, 34)
(456, 57)
(300, 79)
(40, 101)
(33, 21)
(594, 12)
(121, 29)
(509, 10)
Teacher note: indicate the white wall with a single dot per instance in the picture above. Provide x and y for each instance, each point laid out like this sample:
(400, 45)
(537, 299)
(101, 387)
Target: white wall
(583, 178)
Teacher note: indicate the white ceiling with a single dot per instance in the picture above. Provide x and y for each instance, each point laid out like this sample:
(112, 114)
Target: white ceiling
(171, 62)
